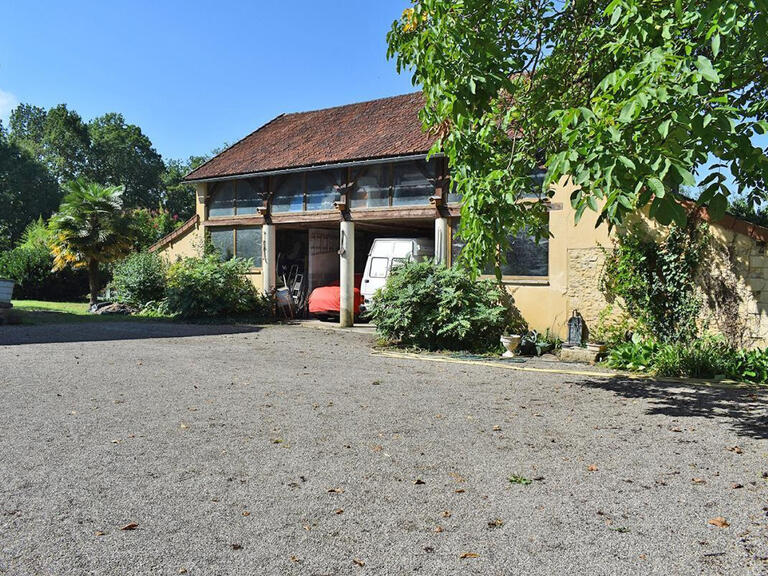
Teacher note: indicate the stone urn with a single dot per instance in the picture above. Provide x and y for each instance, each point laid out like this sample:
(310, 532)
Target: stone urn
(510, 343)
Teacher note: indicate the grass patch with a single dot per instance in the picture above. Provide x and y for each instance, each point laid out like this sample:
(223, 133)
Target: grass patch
(39, 312)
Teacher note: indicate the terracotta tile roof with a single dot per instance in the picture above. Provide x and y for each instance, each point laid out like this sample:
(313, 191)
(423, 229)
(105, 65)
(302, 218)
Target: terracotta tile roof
(375, 129)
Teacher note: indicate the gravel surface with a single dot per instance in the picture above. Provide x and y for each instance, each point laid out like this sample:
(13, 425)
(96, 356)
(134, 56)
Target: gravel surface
(293, 450)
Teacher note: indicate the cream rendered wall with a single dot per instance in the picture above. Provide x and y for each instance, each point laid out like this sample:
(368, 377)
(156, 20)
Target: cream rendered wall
(575, 262)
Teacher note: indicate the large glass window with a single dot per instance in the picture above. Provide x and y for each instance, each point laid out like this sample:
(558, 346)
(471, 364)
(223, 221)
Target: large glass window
(248, 244)
(236, 197)
(249, 196)
(414, 183)
(289, 194)
(223, 240)
(524, 258)
(222, 200)
(372, 187)
(240, 242)
(322, 189)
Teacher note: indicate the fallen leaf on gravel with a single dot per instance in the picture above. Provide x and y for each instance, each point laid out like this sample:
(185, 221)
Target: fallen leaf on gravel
(469, 555)
(517, 479)
(428, 549)
(698, 480)
(419, 481)
(183, 426)
(358, 562)
(592, 467)
(447, 514)
(236, 546)
(719, 521)
(459, 491)
(130, 526)
(438, 529)
(736, 486)
(99, 533)
(115, 441)
(246, 513)
(295, 559)
(277, 440)
(496, 523)
(182, 570)
(457, 477)
(335, 490)
(377, 448)
(339, 511)
(735, 449)
(497, 428)
(307, 527)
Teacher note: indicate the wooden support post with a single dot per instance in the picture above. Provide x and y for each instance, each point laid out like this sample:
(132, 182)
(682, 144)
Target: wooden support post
(442, 237)
(268, 257)
(347, 273)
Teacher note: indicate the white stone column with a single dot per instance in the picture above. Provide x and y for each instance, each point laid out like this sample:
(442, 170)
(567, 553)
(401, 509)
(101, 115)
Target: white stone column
(268, 257)
(347, 273)
(441, 241)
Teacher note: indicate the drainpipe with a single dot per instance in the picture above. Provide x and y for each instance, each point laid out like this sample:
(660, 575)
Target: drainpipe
(347, 273)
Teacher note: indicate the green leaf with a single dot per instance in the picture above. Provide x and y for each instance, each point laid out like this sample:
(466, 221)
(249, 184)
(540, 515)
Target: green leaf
(716, 45)
(685, 175)
(627, 162)
(717, 207)
(657, 187)
(627, 112)
(704, 66)
(664, 128)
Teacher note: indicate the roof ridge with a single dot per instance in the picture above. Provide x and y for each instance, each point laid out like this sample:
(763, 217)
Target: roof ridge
(353, 103)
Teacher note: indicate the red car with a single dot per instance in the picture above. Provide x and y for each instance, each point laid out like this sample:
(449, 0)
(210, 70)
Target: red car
(325, 301)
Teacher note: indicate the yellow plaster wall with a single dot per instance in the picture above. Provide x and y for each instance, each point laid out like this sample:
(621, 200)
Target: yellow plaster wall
(575, 263)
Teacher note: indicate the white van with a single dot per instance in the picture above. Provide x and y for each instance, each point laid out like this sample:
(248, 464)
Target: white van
(388, 252)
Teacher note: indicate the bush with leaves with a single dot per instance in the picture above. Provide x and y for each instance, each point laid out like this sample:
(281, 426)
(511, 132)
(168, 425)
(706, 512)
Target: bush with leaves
(656, 279)
(433, 307)
(200, 287)
(139, 278)
(152, 225)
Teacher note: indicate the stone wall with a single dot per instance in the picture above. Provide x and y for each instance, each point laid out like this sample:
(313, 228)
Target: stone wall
(585, 265)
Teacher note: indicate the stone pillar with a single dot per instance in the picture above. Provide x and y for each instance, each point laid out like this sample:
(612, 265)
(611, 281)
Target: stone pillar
(347, 273)
(268, 257)
(442, 236)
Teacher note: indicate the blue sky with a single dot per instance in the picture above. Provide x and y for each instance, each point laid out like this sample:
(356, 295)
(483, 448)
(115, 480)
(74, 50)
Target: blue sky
(194, 75)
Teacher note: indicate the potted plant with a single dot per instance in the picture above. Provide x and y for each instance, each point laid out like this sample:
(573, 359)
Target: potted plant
(516, 327)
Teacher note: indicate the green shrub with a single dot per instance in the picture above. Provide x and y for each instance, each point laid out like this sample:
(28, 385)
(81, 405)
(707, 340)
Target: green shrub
(656, 279)
(434, 307)
(139, 278)
(31, 268)
(200, 287)
(749, 365)
(636, 355)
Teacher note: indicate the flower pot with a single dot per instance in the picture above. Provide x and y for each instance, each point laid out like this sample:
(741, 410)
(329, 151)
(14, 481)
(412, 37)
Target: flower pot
(510, 343)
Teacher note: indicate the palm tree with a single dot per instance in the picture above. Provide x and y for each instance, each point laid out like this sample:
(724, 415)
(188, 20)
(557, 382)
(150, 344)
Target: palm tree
(90, 228)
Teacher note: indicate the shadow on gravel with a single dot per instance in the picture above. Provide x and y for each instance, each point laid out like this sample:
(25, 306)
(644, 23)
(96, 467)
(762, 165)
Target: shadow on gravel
(744, 409)
(101, 332)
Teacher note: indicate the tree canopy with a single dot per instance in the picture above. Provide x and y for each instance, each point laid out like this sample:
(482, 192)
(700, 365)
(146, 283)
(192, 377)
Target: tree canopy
(631, 98)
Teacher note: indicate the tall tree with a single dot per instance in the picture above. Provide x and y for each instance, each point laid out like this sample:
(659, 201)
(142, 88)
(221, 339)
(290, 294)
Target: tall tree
(629, 97)
(90, 228)
(179, 196)
(121, 154)
(27, 191)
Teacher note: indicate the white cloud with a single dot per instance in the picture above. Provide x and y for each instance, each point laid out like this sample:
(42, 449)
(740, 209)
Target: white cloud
(7, 103)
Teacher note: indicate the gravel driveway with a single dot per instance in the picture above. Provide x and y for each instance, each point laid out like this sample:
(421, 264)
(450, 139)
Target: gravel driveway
(293, 450)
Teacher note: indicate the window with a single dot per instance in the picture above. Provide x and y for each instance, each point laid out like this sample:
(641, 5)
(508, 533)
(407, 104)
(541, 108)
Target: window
(289, 194)
(414, 183)
(222, 200)
(248, 244)
(379, 267)
(223, 240)
(372, 187)
(236, 198)
(524, 257)
(240, 242)
(322, 189)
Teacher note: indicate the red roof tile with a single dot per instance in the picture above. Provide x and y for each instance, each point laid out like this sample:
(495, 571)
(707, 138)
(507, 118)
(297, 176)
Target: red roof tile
(376, 129)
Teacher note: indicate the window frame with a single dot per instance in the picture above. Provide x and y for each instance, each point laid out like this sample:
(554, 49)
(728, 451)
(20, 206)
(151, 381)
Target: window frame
(236, 184)
(233, 230)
